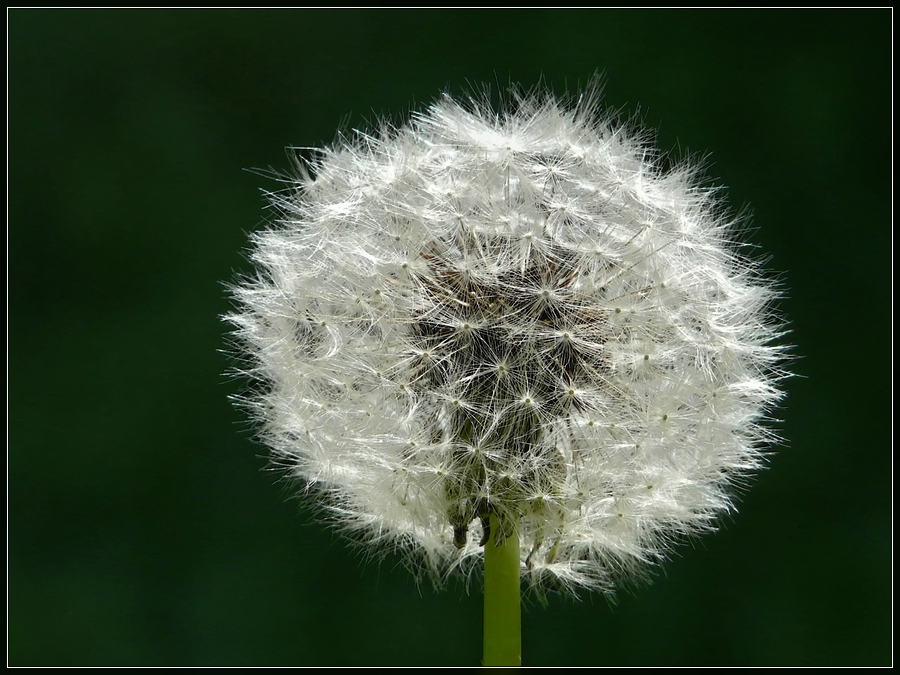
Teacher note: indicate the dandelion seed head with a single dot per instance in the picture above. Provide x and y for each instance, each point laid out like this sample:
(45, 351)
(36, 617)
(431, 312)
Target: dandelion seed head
(516, 314)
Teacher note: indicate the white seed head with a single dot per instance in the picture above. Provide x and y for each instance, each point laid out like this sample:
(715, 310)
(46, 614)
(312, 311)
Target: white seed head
(514, 313)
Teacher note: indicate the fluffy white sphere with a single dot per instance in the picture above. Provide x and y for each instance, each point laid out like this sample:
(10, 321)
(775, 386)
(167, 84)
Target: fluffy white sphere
(512, 313)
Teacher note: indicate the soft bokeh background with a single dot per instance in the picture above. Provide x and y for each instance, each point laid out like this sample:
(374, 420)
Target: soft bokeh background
(142, 529)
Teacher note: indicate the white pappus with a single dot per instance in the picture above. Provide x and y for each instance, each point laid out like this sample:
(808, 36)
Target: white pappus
(514, 312)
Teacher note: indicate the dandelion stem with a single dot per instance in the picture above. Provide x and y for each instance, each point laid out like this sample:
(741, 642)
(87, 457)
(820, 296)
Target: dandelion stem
(502, 600)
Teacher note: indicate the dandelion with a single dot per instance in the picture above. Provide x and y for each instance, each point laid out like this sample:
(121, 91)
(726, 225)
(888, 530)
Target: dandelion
(511, 334)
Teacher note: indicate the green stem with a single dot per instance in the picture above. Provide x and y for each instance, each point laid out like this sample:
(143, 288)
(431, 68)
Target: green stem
(502, 601)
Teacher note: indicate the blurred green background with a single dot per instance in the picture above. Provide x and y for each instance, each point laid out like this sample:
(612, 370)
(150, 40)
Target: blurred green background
(142, 529)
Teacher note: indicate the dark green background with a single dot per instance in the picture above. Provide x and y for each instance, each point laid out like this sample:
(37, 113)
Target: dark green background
(142, 529)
